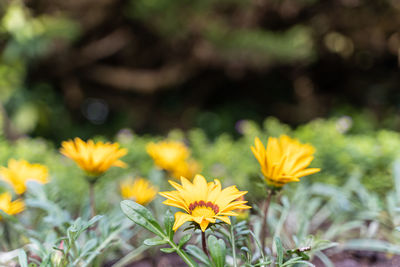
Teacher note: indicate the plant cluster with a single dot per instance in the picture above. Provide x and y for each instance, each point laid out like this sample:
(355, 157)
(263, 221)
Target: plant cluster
(63, 208)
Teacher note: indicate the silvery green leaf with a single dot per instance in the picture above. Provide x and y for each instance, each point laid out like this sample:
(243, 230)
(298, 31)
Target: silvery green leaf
(184, 240)
(156, 241)
(167, 250)
(142, 216)
(217, 250)
(198, 253)
(169, 223)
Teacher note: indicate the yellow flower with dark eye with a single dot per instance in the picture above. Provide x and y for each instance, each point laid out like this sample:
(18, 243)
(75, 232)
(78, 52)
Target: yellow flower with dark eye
(140, 190)
(19, 172)
(10, 207)
(94, 158)
(203, 202)
(168, 154)
(284, 160)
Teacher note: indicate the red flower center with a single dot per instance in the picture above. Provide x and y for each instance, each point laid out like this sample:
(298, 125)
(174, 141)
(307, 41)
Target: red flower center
(201, 203)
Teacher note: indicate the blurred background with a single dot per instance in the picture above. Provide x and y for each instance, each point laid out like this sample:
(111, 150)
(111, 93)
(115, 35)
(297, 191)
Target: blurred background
(88, 67)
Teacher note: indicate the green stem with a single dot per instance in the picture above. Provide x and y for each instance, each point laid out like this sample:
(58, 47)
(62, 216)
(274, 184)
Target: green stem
(131, 256)
(92, 200)
(65, 261)
(7, 237)
(233, 245)
(204, 243)
(182, 254)
(265, 217)
(101, 247)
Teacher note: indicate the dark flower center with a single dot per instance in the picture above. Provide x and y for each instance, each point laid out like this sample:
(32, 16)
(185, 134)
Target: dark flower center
(201, 203)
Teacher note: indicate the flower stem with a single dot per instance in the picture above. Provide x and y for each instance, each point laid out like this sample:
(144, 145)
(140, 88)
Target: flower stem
(92, 200)
(203, 242)
(6, 232)
(265, 217)
(233, 244)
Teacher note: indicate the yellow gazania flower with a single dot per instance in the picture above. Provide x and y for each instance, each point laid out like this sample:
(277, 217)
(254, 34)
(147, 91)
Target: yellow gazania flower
(168, 154)
(242, 214)
(18, 172)
(94, 158)
(203, 202)
(139, 190)
(10, 207)
(284, 160)
(186, 169)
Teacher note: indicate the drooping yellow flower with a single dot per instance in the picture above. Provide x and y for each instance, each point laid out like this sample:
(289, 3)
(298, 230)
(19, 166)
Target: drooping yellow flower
(140, 190)
(10, 207)
(186, 169)
(203, 202)
(284, 160)
(19, 172)
(93, 158)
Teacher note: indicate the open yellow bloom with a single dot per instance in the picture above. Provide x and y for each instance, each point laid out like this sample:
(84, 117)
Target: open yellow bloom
(94, 158)
(168, 154)
(10, 207)
(139, 190)
(284, 160)
(19, 172)
(203, 202)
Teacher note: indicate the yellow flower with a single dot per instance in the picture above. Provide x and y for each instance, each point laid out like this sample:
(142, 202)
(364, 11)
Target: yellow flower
(284, 160)
(203, 202)
(186, 169)
(242, 214)
(168, 154)
(93, 158)
(10, 207)
(18, 173)
(139, 190)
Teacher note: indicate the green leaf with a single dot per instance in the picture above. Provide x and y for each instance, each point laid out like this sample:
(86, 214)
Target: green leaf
(198, 254)
(279, 250)
(156, 241)
(141, 216)
(169, 223)
(217, 249)
(167, 250)
(184, 240)
(22, 258)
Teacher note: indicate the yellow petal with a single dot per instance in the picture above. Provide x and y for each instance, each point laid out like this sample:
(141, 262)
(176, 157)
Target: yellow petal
(180, 219)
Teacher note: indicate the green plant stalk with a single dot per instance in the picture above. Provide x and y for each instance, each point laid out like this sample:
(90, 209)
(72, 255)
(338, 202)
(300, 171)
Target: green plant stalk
(131, 256)
(92, 199)
(65, 260)
(182, 254)
(233, 246)
(204, 243)
(265, 217)
(7, 237)
(101, 247)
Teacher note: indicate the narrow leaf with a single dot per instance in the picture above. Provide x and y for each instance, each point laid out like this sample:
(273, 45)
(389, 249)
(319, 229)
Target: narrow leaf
(22, 258)
(167, 250)
(169, 223)
(141, 216)
(184, 240)
(198, 254)
(279, 250)
(154, 242)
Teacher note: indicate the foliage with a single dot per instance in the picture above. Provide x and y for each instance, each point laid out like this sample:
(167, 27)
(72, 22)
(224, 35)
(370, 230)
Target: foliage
(348, 206)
